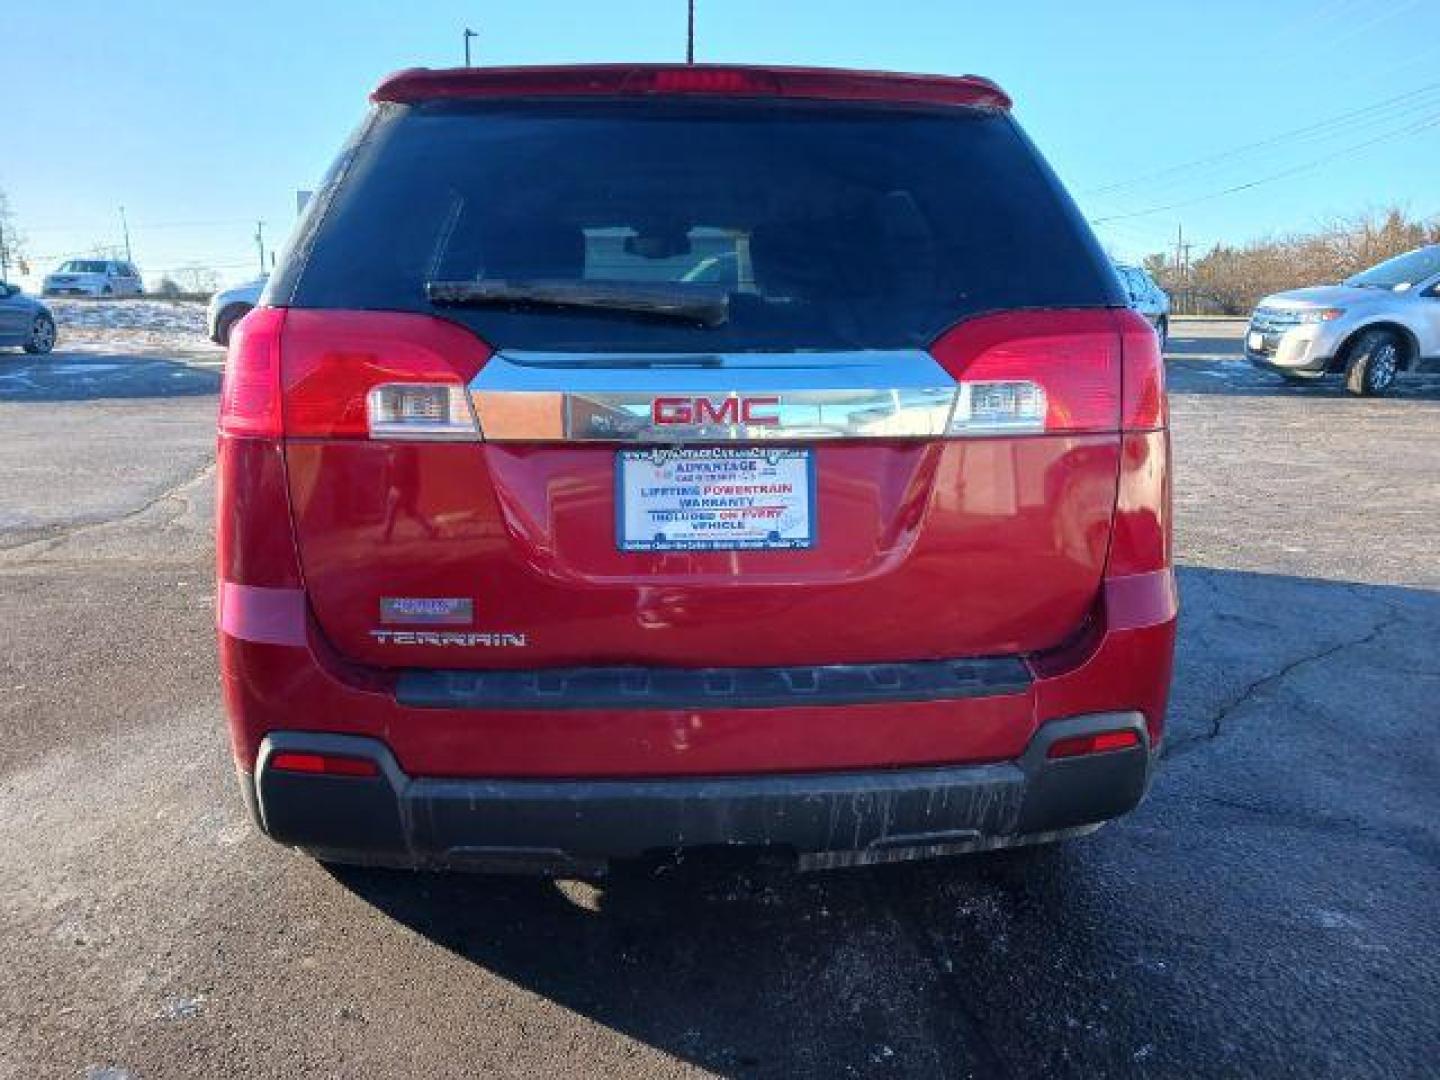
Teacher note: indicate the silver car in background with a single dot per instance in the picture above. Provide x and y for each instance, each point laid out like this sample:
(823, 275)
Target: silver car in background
(25, 321)
(1147, 298)
(94, 277)
(229, 306)
(1370, 328)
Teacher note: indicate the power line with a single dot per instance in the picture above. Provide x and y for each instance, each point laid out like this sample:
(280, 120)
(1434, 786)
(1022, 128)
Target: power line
(1269, 141)
(1352, 30)
(1428, 122)
(146, 225)
(1317, 142)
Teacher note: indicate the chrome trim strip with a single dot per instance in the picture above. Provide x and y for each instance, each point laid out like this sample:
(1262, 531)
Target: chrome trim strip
(712, 397)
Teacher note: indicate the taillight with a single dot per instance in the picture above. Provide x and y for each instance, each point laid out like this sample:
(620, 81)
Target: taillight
(1034, 372)
(1141, 542)
(383, 375)
(1143, 374)
(250, 390)
(703, 80)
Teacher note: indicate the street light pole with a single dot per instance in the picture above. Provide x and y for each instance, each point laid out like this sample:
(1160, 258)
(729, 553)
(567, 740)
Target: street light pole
(468, 35)
(690, 35)
(260, 243)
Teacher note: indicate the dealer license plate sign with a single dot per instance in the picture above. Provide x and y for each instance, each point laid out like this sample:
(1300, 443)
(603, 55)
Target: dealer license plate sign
(721, 499)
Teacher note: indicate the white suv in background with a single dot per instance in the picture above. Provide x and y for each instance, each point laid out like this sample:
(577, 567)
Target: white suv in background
(229, 306)
(1370, 328)
(94, 277)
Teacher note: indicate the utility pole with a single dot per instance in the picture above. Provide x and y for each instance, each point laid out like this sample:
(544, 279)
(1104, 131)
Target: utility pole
(1182, 267)
(260, 243)
(125, 230)
(690, 35)
(468, 35)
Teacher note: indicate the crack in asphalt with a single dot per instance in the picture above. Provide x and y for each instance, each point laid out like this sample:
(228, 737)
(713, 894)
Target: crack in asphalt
(1216, 723)
(54, 535)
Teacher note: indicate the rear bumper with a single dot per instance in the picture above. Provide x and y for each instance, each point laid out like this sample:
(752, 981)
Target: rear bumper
(579, 825)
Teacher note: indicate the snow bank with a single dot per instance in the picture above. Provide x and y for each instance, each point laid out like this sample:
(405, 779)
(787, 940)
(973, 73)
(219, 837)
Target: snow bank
(131, 325)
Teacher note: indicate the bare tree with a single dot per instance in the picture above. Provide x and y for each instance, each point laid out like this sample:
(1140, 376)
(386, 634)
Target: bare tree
(12, 243)
(196, 278)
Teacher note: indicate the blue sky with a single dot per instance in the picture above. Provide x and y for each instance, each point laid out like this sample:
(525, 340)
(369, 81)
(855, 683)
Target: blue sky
(202, 118)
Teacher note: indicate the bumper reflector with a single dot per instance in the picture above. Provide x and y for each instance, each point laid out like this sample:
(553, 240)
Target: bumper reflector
(324, 764)
(1080, 745)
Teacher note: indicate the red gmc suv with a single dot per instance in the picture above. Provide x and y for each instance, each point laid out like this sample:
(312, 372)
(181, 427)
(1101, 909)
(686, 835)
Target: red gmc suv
(634, 458)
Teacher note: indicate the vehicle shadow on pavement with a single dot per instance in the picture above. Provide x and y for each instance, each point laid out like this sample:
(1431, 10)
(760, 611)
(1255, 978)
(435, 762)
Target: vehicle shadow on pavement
(740, 968)
(1220, 928)
(93, 376)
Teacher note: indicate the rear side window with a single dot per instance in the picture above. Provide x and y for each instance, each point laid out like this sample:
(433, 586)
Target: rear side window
(828, 226)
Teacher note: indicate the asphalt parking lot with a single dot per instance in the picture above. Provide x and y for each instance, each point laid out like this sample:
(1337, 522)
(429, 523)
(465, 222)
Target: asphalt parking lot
(1271, 910)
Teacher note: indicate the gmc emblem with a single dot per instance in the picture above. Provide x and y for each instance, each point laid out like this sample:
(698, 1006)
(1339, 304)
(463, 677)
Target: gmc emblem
(754, 411)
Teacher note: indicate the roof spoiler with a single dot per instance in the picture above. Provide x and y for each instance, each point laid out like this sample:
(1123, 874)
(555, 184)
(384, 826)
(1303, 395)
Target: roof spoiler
(718, 80)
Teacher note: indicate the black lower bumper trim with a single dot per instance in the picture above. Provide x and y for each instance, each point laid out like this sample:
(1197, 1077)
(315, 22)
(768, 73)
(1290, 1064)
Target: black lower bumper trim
(534, 824)
(714, 688)
(1316, 368)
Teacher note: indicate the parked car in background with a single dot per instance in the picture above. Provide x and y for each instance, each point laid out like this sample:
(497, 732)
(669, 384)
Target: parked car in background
(533, 553)
(1147, 298)
(229, 306)
(24, 321)
(94, 277)
(1370, 328)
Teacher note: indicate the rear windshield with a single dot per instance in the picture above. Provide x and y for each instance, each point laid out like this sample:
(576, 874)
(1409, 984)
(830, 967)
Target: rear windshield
(825, 226)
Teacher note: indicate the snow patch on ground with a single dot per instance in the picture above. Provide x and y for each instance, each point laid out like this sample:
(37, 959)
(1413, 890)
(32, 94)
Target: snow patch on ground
(131, 326)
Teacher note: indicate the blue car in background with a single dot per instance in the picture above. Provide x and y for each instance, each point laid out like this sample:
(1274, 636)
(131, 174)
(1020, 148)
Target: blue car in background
(1146, 298)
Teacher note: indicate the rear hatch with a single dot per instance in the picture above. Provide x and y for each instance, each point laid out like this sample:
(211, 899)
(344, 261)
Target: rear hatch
(696, 380)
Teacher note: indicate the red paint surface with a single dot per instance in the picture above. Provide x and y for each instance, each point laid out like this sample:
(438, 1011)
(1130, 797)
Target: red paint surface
(272, 687)
(963, 548)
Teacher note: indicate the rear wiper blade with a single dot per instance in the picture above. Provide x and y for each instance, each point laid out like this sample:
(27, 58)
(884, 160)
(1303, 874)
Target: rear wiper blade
(692, 303)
